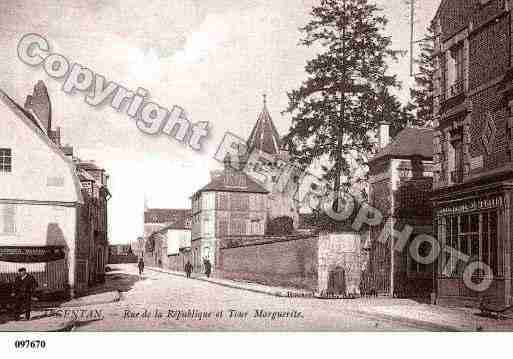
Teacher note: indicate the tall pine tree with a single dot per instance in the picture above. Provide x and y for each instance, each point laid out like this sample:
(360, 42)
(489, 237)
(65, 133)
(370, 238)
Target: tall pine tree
(421, 94)
(338, 108)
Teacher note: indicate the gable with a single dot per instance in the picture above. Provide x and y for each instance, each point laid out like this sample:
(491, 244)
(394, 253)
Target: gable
(40, 171)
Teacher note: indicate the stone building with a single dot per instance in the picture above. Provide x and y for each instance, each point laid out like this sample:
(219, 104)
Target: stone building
(400, 182)
(473, 110)
(93, 225)
(236, 215)
(268, 164)
(232, 204)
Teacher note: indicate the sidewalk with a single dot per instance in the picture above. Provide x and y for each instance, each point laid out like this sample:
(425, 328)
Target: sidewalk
(403, 310)
(93, 299)
(40, 322)
(249, 286)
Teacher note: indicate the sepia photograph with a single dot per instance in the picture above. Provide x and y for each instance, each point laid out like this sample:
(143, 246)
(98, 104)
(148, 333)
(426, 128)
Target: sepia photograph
(251, 166)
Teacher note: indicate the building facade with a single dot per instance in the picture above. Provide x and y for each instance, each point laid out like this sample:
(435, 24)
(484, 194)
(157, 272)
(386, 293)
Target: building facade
(268, 163)
(232, 204)
(167, 233)
(40, 197)
(54, 206)
(93, 224)
(473, 172)
(400, 183)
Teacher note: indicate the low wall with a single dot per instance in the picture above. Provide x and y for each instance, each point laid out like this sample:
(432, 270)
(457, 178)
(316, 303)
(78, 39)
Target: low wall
(289, 262)
(119, 259)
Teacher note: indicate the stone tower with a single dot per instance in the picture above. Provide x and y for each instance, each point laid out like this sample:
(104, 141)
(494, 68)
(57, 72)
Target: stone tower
(268, 163)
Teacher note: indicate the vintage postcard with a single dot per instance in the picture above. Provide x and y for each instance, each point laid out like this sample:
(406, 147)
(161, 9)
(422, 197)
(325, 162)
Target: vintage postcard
(256, 165)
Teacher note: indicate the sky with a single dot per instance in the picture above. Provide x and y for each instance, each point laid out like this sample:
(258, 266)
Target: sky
(214, 58)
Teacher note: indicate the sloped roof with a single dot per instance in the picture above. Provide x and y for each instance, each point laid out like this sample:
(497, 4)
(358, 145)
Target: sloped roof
(33, 124)
(173, 218)
(264, 136)
(14, 106)
(410, 142)
(233, 181)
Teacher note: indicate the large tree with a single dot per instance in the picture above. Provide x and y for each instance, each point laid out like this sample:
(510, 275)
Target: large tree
(338, 108)
(421, 94)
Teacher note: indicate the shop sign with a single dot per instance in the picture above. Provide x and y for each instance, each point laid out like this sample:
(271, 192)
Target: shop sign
(473, 205)
(31, 254)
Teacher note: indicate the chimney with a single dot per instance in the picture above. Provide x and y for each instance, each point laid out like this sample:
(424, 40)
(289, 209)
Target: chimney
(384, 135)
(39, 103)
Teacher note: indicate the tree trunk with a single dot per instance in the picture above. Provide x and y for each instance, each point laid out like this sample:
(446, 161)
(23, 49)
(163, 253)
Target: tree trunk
(342, 115)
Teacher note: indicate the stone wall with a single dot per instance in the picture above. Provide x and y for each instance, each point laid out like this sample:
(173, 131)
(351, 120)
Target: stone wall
(339, 252)
(324, 263)
(288, 262)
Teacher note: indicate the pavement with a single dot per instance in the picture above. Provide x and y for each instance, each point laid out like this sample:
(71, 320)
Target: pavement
(403, 310)
(49, 317)
(40, 322)
(163, 300)
(93, 299)
(243, 285)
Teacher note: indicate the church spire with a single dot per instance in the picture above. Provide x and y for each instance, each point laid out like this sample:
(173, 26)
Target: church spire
(264, 136)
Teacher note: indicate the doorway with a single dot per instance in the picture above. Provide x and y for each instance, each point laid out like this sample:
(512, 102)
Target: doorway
(337, 281)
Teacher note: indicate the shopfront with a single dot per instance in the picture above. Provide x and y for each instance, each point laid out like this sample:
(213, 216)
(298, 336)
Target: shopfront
(48, 265)
(475, 223)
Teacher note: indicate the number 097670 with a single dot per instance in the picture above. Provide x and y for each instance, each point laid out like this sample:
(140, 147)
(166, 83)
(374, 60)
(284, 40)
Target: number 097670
(29, 344)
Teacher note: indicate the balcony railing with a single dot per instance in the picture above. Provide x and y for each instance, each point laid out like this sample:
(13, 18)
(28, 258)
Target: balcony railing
(457, 176)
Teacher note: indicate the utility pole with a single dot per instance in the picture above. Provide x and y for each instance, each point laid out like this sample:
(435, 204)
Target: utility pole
(412, 34)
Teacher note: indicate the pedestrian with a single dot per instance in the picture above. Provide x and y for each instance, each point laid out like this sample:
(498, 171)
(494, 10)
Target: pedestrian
(208, 267)
(141, 266)
(188, 269)
(24, 287)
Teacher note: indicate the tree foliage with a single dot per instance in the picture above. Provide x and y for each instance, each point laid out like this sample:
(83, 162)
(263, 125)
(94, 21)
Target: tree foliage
(346, 95)
(421, 94)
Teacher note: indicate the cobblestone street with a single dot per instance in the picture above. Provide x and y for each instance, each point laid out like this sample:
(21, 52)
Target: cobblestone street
(249, 311)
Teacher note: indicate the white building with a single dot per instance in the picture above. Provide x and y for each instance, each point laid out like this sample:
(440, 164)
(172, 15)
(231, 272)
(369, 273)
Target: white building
(40, 197)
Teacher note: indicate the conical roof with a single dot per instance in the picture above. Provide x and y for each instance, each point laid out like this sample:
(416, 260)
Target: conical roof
(264, 136)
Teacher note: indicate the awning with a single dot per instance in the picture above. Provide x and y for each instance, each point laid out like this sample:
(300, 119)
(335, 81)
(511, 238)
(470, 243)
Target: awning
(41, 254)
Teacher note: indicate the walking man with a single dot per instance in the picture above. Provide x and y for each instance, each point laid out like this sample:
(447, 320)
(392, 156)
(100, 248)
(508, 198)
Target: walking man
(24, 287)
(208, 267)
(188, 269)
(140, 265)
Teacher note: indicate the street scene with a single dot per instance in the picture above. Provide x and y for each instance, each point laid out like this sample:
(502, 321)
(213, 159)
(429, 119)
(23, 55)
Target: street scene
(254, 165)
(122, 302)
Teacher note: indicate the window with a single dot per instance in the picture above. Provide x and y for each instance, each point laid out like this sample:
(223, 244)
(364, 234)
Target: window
(473, 234)
(8, 224)
(455, 70)
(208, 226)
(5, 160)
(209, 200)
(237, 227)
(255, 227)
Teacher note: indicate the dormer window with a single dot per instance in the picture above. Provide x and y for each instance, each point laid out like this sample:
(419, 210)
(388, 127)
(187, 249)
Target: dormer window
(5, 160)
